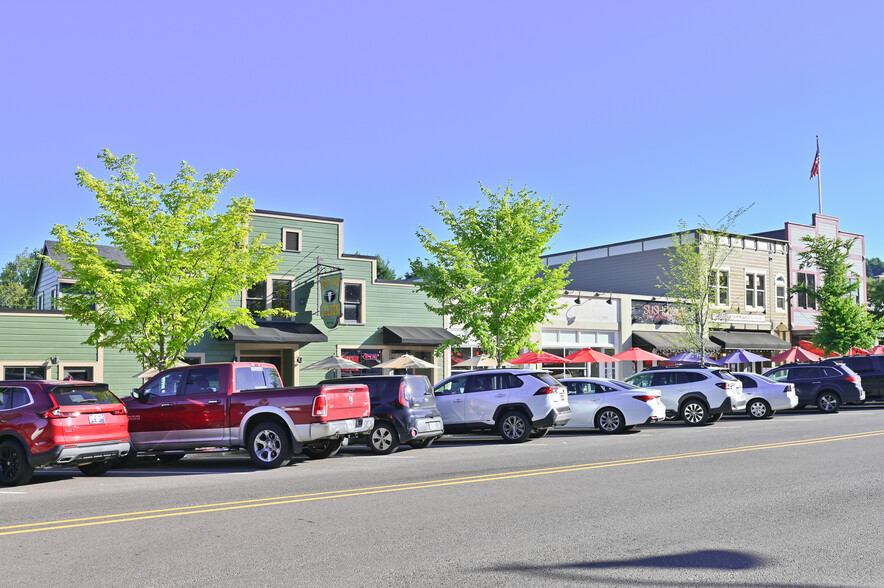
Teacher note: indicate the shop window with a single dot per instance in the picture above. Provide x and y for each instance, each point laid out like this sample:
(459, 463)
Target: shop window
(84, 373)
(807, 300)
(291, 240)
(353, 300)
(24, 373)
(781, 292)
(755, 290)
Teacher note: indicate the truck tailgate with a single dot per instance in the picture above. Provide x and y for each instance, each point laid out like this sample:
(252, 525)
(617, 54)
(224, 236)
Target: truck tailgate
(346, 401)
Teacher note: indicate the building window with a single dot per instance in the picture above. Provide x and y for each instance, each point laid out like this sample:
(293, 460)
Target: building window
(755, 290)
(807, 300)
(259, 299)
(781, 292)
(40, 301)
(719, 281)
(256, 297)
(53, 298)
(353, 303)
(24, 373)
(291, 240)
(84, 373)
(281, 294)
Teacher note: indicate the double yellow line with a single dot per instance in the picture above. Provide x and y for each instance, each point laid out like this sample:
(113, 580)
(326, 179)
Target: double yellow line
(277, 500)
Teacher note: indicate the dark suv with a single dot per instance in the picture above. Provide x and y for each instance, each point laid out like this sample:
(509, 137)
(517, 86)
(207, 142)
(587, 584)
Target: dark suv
(868, 367)
(827, 385)
(404, 411)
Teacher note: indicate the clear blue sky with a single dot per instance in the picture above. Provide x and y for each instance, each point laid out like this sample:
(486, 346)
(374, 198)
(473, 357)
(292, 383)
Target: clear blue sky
(634, 114)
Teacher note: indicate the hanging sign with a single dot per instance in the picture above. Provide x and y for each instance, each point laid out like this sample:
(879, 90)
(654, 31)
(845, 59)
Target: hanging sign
(330, 309)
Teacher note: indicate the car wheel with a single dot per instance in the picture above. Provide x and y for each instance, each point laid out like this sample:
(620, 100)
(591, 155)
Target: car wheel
(694, 412)
(170, 457)
(538, 433)
(384, 439)
(14, 467)
(269, 445)
(610, 420)
(422, 443)
(828, 402)
(96, 468)
(715, 417)
(328, 448)
(514, 427)
(758, 409)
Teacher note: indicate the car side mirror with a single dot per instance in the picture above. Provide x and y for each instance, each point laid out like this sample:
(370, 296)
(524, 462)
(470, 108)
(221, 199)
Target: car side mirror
(136, 394)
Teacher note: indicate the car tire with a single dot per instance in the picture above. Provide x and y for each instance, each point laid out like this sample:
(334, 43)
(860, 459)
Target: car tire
(610, 420)
(170, 457)
(422, 443)
(759, 409)
(96, 468)
(538, 433)
(714, 417)
(328, 448)
(694, 412)
(269, 445)
(514, 427)
(14, 467)
(828, 402)
(383, 439)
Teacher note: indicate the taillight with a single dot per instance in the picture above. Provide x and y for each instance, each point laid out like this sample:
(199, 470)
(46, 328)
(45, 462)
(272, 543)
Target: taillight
(853, 379)
(320, 406)
(725, 385)
(546, 390)
(646, 397)
(403, 400)
(54, 412)
(121, 410)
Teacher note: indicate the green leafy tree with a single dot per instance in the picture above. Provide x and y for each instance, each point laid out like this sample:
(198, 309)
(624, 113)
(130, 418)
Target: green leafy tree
(842, 322)
(876, 297)
(385, 270)
(186, 263)
(693, 279)
(874, 267)
(17, 279)
(489, 277)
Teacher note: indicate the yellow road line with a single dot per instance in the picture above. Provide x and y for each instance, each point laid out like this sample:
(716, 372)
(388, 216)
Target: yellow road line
(279, 500)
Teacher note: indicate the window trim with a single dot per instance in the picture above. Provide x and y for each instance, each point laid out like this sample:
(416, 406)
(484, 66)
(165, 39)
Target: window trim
(716, 287)
(30, 398)
(807, 295)
(268, 296)
(750, 305)
(79, 364)
(26, 364)
(785, 297)
(300, 233)
(362, 304)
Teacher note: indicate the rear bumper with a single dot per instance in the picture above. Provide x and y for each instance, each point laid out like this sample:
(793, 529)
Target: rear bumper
(423, 428)
(342, 428)
(82, 453)
(557, 417)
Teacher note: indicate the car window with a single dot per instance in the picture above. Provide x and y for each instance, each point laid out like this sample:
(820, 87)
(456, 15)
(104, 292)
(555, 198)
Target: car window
(14, 397)
(665, 378)
(203, 380)
(689, 377)
(830, 372)
(763, 379)
(779, 375)
(165, 385)
(80, 395)
(452, 386)
(641, 380)
(747, 381)
(806, 372)
(724, 375)
(575, 388)
(254, 377)
(480, 383)
(603, 388)
(623, 384)
(542, 376)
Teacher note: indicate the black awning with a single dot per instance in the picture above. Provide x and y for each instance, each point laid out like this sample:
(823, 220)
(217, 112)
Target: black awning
(666, 342)
(750, 340)
(416, 336)
(276, 332)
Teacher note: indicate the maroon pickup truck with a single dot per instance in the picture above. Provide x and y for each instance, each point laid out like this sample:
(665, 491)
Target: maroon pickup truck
(243, 405)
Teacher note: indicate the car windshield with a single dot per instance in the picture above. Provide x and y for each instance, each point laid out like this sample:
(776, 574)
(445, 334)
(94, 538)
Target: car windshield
(80, 395)
(764, 379)
(626, 385)
(724, 375)
(546, 378)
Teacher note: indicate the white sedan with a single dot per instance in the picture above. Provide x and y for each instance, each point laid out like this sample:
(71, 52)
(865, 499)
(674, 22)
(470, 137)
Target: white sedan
(765, 396)
(611, 406)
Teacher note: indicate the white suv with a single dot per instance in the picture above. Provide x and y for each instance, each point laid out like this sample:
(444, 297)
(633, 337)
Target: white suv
(517, 404)
(697, 395)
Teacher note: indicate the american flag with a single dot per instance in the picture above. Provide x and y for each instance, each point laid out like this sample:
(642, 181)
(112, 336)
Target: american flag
(815, 170)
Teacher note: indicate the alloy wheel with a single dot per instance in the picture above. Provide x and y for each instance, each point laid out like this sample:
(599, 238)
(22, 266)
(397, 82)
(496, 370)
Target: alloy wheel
(694, 413)
(609, 421)
(267, 445)
(382, 438)
(513, 427)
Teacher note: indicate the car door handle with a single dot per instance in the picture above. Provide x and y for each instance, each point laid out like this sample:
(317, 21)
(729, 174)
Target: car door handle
(168, 404)
(459, 400)
(499, 395)
(214, 402)
(816, 382)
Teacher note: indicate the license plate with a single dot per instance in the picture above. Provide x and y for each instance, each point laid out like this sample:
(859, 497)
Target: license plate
(96, 419)
(434, 425)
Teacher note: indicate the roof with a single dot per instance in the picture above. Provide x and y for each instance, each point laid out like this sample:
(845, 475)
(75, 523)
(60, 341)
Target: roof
(108, 252)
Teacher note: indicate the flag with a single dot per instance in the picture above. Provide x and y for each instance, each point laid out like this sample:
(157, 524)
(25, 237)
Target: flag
(815, 170)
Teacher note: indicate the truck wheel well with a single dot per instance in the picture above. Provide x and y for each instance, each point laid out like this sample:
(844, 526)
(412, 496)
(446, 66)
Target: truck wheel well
(261, 418)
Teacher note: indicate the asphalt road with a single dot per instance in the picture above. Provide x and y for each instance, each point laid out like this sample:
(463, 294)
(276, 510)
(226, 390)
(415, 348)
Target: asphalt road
(794, 501)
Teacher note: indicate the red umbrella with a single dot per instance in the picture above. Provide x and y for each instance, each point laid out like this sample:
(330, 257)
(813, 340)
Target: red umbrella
(859, 351)
(590, 356)
(807, 345)
(636, 354)
(877, 350)
(542, 357)
(796, 354)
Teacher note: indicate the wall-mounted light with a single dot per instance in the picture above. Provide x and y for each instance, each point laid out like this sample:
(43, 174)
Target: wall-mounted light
(577, 300)
(53, 360)
(609, 301)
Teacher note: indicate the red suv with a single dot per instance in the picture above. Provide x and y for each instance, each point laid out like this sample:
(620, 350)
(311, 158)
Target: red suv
(45, 424)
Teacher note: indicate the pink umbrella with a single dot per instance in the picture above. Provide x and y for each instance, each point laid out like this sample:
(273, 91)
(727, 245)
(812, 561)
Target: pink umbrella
(542, 357)
(796, 354)
(590, 356)
(877, 350)
(636, 354)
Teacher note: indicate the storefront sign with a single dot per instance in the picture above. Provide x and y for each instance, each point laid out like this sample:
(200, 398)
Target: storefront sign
(330, 309)
(746, 318)
(652, 313)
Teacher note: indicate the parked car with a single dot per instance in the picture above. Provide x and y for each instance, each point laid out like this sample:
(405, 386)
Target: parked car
(611, 406)
(514, 403)
(827, 386)
(48, 424)
(404, 411)
(244, 405)
(870, 368)
(695, 394)
(765, 396)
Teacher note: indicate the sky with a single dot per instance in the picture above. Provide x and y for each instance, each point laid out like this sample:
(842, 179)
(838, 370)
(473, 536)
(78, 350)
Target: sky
(634, 114)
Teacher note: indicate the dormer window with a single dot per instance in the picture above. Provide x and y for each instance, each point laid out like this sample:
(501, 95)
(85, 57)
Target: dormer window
(291, 240)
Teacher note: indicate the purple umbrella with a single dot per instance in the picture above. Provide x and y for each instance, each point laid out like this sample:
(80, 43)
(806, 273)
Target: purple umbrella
(691, 357)
(743, 356)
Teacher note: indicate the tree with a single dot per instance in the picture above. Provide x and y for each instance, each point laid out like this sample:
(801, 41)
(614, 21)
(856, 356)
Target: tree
(385, 270)
(842, 322)
(489, 276)
(693, 278)
(17, 279)
(876, 297)
(874, 267)
(185, 262)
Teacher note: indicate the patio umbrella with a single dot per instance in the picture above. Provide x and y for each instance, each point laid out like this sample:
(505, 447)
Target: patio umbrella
(480, 361)
(405, 362)
(796, 354)
(815, 350)
(542, 357)
(742, 356)
(877, 350)
(691, 357)
(636, 354)
(589, 355)
(336, 362)
(859, 351)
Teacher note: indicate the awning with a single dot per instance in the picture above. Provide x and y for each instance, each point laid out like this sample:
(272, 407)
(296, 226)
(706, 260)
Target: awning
(667, 342)
(276, 332)
(416, 335)
(752, 340)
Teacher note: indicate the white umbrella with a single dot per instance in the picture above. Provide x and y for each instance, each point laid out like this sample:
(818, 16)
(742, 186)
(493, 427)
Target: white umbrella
(405, 362)
(479, 361)
(336, 362)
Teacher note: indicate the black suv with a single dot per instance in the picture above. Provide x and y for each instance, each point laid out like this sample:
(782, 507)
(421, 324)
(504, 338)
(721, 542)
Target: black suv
(868, 367)
(828, 385)
(404, 411)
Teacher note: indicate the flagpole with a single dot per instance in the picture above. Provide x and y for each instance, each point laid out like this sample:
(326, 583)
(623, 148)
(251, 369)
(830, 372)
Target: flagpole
(819, 177)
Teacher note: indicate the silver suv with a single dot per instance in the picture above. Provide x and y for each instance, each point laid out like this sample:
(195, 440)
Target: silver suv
(517, 404)
(697, 395)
